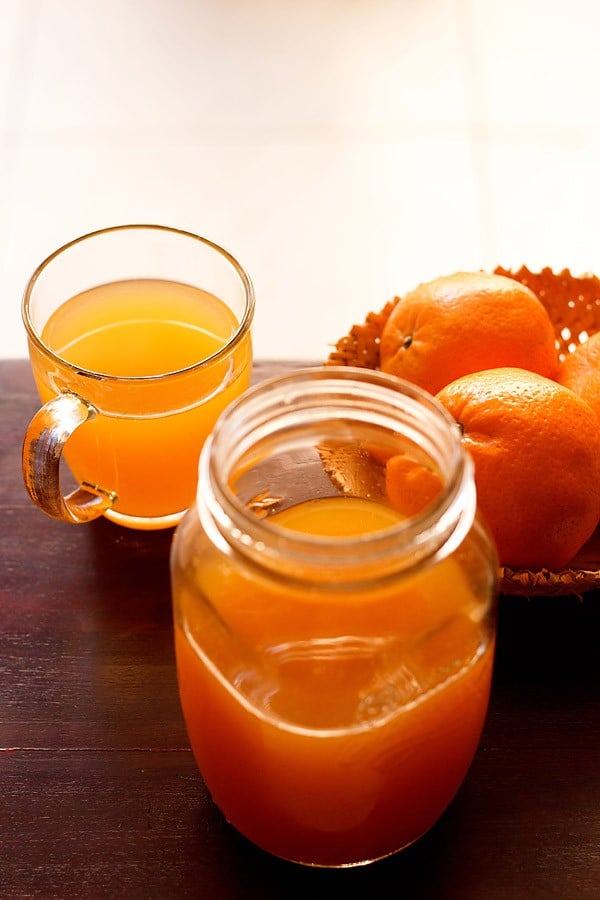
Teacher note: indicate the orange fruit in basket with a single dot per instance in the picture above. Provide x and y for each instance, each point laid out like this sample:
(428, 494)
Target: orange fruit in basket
(580, 371)
(464, 323)
(536, 449)
(410, 486)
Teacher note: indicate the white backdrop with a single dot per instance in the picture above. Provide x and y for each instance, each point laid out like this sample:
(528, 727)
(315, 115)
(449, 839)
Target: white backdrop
(343, 150)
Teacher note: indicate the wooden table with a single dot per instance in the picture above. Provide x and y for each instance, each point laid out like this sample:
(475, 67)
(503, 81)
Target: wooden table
(99, 793)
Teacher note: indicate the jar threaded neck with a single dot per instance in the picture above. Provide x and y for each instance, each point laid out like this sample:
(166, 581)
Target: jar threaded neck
(274, 436)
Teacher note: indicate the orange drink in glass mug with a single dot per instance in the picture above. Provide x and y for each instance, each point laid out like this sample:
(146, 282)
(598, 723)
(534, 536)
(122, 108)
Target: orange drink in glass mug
(334, 653)
(139, 337)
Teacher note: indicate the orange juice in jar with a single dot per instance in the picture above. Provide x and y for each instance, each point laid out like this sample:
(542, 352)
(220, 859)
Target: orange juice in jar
(334, 654)
(139, 337)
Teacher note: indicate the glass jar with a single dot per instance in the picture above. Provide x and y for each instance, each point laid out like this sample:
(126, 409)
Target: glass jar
(333, 597)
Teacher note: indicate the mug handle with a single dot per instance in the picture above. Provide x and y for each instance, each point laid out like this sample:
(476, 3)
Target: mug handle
(48, 432)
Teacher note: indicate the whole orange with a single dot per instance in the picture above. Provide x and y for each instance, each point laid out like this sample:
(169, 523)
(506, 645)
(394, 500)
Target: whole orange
(536, 449)
(580, 371)
(464, 323)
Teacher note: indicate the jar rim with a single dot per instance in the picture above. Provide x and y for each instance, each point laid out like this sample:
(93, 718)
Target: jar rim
(353, 392)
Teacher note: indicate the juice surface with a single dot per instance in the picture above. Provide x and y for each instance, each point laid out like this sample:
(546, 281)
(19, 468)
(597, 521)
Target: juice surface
(146, 442)
(332, 729)
(139, 328)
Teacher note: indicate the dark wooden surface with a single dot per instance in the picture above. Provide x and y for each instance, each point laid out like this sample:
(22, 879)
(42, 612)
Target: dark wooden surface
(99, 793)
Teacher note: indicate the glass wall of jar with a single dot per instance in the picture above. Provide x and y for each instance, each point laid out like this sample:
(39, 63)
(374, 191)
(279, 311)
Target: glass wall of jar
(333, 595)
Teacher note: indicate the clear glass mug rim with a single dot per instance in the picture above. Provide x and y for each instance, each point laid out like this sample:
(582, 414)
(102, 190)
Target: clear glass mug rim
(219, 354)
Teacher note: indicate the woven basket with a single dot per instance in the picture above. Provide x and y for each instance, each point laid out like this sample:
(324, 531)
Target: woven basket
(573, 304)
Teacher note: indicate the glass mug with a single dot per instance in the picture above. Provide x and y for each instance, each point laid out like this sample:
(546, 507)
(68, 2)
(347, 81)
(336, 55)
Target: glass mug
(334, 608)
(139, 336)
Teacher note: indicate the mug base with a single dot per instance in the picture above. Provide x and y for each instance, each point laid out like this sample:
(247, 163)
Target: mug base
(144, 523)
